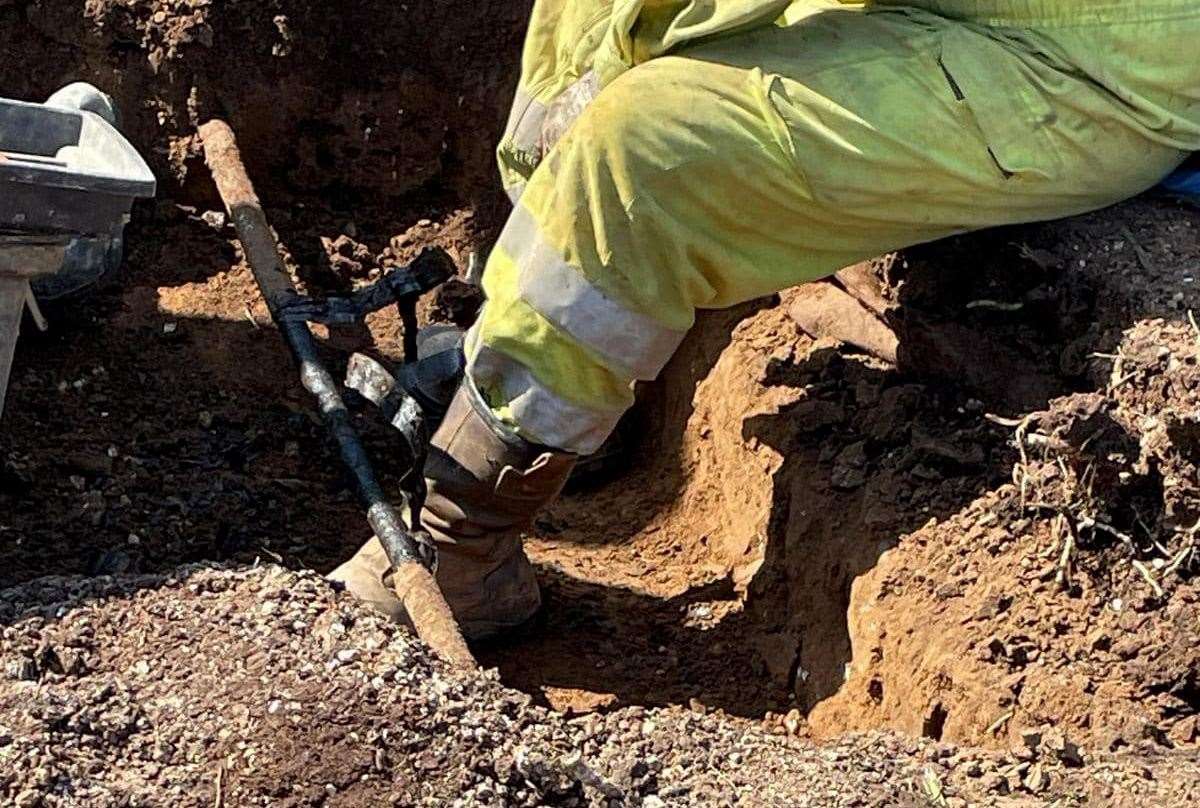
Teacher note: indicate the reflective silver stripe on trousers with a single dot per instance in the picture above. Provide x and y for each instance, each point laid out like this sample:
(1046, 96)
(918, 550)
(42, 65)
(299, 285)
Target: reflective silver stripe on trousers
(514, 192)
(524, 127)
(541, 415)
(628, 340)
(566, 108)
(533, 127)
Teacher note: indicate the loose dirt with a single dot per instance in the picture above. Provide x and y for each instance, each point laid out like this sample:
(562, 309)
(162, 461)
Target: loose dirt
(979, 561)
(262, 686)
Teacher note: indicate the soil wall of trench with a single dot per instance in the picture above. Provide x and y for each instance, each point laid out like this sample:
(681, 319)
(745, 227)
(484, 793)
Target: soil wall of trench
(900, 551)
(857, 519)
(364, 101)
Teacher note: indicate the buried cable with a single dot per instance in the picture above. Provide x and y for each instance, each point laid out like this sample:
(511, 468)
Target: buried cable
(411, 552)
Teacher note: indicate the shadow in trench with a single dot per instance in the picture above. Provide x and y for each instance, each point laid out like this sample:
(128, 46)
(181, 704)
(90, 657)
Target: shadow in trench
(869, 453)
(867, 459)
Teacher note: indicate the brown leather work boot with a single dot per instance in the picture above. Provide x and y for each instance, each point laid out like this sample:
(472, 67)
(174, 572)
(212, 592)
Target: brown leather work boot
(485, 485)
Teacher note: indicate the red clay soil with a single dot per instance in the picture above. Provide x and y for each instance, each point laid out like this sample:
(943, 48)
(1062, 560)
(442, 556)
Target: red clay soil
(811, 529)
(991, 536)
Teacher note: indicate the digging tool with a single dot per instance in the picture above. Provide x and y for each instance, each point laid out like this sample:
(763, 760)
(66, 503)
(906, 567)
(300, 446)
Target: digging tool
(409, 549)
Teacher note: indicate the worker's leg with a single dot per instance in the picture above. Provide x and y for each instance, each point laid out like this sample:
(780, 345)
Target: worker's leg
(762, 160)
(556, 64)
(574, 47)
(726, 171)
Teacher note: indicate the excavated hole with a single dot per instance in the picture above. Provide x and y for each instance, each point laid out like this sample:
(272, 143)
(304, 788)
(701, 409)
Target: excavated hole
(779, 471)
(772, 473)
(768, 473)
(719, 569)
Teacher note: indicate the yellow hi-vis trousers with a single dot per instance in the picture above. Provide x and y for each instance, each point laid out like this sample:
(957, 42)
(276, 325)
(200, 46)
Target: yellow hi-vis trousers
(670, 155)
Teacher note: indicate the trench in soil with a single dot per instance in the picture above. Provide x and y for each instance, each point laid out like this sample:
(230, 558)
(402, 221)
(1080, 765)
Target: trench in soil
(719, 567)
(714, 564)
(159, 422)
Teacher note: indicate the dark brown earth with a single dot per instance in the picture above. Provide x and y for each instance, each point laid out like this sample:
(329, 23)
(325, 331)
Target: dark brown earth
(986, 548)
(360, 101)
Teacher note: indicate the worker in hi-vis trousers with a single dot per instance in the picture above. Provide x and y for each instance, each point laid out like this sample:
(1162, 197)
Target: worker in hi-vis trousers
(668, 155)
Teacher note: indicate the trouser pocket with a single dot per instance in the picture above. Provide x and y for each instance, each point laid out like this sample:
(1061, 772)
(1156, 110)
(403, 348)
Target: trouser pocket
(1001, 94)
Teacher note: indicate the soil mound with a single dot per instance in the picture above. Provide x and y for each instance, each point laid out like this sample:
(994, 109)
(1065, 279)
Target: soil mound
(1065, 597)
(263, 686)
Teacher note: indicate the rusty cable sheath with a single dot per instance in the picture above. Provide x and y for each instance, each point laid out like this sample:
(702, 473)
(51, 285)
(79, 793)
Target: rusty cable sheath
(410, 552)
